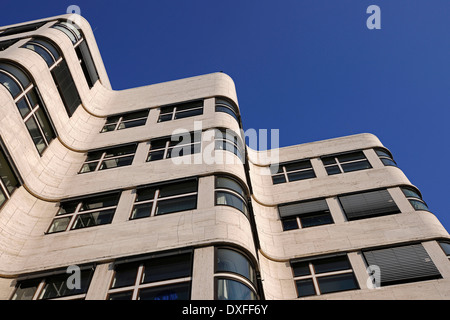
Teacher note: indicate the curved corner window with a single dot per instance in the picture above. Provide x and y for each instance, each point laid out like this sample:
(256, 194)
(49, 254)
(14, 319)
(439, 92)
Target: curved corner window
(60, 72)
(414, 197)
(28, 100)
(386, 157)
(230, 193)
(446, 247)
(235, 276)
(9, 181)
(229, 260)
(228, 140)
(82, 50)
(226, 106)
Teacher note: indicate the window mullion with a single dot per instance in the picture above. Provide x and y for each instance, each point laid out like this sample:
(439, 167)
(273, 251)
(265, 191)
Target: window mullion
(100, 161)
(39, 290)
(155, 202)
(138, 281)
(314, 279)
(118, 123)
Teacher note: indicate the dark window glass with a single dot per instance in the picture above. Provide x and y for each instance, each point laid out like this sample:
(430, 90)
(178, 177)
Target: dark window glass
(179, 291)
(87, 63)
(8, 178)
(56, 286)
(26, 289)
(228, 289)
(10, 84)
(301, 269)
(289, 224)
(335, 283)
(166, 268)
(66, 87)
(176, 205)
(127, 295)
(331, 264)
(313, 220)
(125, 275)
(446, 247)
(232, 261)
(93, 219)
(6, 44)
(21, 29)
(305, 288)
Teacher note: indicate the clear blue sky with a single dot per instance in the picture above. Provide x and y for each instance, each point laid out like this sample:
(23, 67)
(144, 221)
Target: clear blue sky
(310, 68)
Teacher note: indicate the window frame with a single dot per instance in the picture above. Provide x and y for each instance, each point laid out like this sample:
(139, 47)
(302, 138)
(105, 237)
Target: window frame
(195, 145)
(139, 278)
(235, 276)
(121, 120)
(411, 199)
(43, 279)
(339, 164)
(385, 157)
(315, 276)
(176, 112)
(233, 193)
(286, 174)
(13, 169)
(100, 161)
(298, 217)
(33, 109)
(223, 141)
(224, 105)
(73, 216)
(156, 199)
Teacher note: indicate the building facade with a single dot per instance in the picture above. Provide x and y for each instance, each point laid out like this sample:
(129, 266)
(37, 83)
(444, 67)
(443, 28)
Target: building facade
(110, 194)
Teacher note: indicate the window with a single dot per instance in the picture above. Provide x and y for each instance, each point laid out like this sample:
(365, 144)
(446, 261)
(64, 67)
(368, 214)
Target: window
(109, 158)
(84, 213)
(402, 264)
(415, 198)
(82, 50)
(368, 204)
(175, 146)
(323, 275)
(293, 171)
(28, 100)
(229, 192)
(54, 286)
(60, 72)
(167, 277)
(385, 157)
(7, 43)
(125, 121)
(180, 111)
(305, 214)
(226, 106)
(446, 247)
(22, 29)
(235, 276)
(9, 181)
(228, 140)
(164, 199)
(346, 162)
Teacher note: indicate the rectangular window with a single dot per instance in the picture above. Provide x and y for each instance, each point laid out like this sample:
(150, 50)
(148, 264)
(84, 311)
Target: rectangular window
(74, 33)
(9, 181)
(109, 158)
(54, 286)
(84, 213)
(446, 247)
(305, 214)
(125, 121)
(22, 29)
(165, 199)
(87, 63)
(167, 277)
(175, 146)
(368, 204)
(346, 162)
(6, 44)
(402, 264)
(323, 275)
(180, 111)
(66, 87)
(293, 171)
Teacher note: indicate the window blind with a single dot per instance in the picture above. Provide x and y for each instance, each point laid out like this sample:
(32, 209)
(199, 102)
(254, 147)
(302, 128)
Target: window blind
(403, 264)
(368, 204)
(302, 208)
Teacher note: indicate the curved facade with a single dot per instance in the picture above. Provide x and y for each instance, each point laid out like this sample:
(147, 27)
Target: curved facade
(152, 193)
